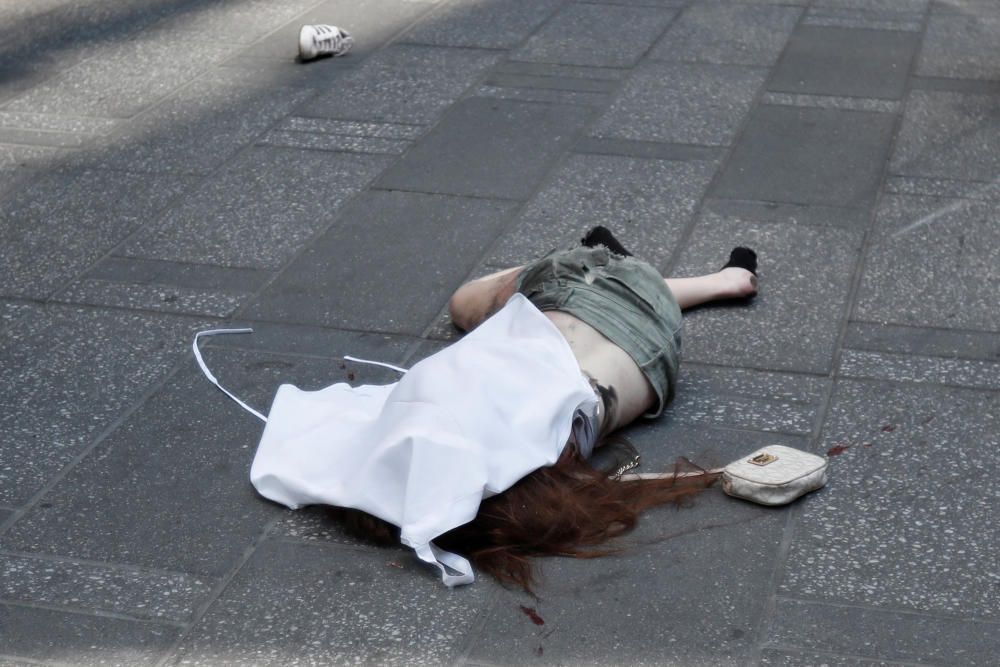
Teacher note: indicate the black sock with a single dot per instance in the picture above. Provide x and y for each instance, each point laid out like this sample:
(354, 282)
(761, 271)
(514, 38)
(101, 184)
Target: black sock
(602, 236)
(743, 258)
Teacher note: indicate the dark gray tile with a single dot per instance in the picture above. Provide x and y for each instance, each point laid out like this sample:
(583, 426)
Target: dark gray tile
(327, 286)
(260, 210)
(350, 128)
(808, 156)
(200, 127)
(563, 71)
(175, 274)
(572, 36)
(794, 321)
(56, 226)
(859, 17)
(955, 85)
(682, 103)
(948, 135)
(911, 6)
(404, 83)
(845, 61)
(492, 25)
(488, 148)
(392, 610)
(71, 372)
(123, 79)
(90, 586)
(231, 23)
(917, 537)
(798, 214)
(728, 34)
(970, 345)
(180, 491)
(545, 95)
(942, 187)
(886, 635)
(647, 204)
(719, 543)
(962, 45)
(371, 23)
(152, 297)
(648, 149)
(551, 82)
(950, 248)
(334, 142)
(78, 639)
(18, 164)
(747, 399)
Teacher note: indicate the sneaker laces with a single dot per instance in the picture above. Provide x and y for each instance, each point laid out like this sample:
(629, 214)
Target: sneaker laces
(331, 39)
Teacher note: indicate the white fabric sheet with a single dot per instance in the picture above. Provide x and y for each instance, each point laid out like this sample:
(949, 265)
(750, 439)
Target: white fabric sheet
(461, 425)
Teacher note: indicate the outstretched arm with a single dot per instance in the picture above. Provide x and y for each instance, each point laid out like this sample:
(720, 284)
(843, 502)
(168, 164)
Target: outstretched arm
(477, 299)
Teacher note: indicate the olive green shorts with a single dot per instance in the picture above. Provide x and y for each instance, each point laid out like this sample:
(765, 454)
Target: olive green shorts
(625, 299)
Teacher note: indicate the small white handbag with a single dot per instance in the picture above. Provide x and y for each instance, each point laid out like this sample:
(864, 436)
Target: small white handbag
(774, 475)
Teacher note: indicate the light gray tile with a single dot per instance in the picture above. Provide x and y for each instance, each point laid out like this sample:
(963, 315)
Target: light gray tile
(141, 594)
(334, 142)
(392, 611)
(830, 102)
(598, 35)
(232, 23)
(931, 263)
(493, 25)
(259, 211)
(794, 321)
(646, 203)
(948, 135)
(962, 46)
(548, 96)
(682, 103)
(793, 658)
(728, 34)
(403, 84)
(914, 368)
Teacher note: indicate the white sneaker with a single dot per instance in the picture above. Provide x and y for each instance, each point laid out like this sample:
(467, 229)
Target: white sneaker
(323, 40)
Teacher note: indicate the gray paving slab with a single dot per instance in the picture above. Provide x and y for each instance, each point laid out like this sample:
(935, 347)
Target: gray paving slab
(563, 71)
(545, 95)
(123, 79)
(728, 34)
(349, 128)
(326, 286)
(845, 61)
(852, 548)
(182, 496)
(22, 162)
(570, 37)
(793, 324)
(961, 45)
(647, 204)
(59, 224)
(885, 635)
(279, 611)
(89, 586)
(415, 84)
(176, 274)
(845, 16)
(232, 23)
(878, 337)
(948, 135)
(808, 156)
(747, 399)
(551, 82)
(949, 247)
(914, 6)
(371, 23)
(200, 128)
(334, 142)
(648, 149)
(798, 214)
(830, 102)
(157, 298)
(259, 211)
(793, 658)
(682, 103)
(689, 628)
(942, 187)
(77, 639)
(488, 148)
(491, 24)
(74, 371)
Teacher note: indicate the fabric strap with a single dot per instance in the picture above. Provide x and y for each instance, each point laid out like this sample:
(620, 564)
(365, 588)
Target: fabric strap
(455, 570)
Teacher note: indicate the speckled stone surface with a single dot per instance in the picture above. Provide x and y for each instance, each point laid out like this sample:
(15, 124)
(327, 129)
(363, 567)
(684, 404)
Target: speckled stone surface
(808, 156)
(403, 84)
(948, 135)
(260, 211)
(60, 223)
(950, 251)
(860, 17)
(490, 25)
(646, 203)
(794, 323)
(906, 521)
(137, 593)
(570, 37)
(384, 227)
(488, 148)
(682, 103)
(365, 606)
(160, 298)
(793, 658)
(728, 34)
(845, 61)
(78, 639)
(73, 371)
(957, 45)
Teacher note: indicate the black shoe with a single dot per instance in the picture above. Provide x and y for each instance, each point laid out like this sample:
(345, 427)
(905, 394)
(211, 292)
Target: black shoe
(743, 258)
(601, 236)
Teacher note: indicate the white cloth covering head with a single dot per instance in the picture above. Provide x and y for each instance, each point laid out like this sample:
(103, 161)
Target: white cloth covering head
(422, 453)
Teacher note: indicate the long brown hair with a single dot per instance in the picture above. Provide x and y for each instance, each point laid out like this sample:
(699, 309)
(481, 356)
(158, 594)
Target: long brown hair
(568, 509)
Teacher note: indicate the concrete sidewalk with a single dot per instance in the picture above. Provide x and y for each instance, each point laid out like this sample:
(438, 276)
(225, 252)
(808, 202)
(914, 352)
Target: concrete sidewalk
(166, 166)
